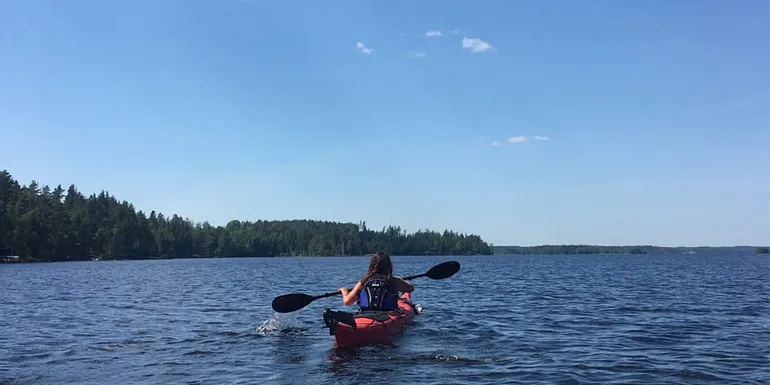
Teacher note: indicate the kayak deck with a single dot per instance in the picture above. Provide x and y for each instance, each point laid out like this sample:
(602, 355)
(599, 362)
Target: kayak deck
(369, 327)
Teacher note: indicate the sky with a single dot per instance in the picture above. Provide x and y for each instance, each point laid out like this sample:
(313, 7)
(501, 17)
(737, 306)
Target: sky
(553, 122)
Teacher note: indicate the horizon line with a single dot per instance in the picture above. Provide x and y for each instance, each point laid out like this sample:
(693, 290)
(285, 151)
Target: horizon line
(626, 245)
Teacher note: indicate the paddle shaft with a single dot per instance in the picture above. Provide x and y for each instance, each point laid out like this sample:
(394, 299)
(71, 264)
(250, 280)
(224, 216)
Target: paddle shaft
(333, 293)
(295, 301)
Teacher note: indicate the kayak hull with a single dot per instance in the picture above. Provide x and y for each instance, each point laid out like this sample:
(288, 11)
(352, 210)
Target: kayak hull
(370, 328)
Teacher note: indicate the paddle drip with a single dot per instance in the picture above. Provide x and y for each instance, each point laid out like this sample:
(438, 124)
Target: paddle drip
(279, 322)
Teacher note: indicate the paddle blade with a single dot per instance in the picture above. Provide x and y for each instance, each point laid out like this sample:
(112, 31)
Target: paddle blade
(443, 270)
(288, 303)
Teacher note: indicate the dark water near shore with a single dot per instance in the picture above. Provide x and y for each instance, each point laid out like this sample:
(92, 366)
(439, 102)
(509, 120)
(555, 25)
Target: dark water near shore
(593, 319)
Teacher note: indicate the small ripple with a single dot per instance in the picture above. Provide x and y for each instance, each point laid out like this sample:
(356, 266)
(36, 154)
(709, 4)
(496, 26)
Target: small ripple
(696, 375)
(28, 357)
(181, 341)
(220, 309)
(227, 334)
(657, 341)
(199, 353)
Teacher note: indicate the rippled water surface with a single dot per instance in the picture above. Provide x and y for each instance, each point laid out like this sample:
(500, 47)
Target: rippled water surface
(645, 319)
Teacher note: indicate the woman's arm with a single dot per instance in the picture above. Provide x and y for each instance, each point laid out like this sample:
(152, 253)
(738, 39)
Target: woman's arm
(350, 297)
(403, 285)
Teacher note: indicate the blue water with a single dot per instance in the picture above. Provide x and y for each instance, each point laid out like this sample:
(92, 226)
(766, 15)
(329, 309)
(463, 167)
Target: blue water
(594, 319)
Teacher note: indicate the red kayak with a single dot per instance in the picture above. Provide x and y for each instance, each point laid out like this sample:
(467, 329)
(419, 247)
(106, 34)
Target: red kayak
(369, 327)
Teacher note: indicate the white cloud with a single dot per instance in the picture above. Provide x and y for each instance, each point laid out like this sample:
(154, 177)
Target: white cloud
(476, 45)
(363, 49)
(517, 139)
(434, 33)
(495, 143)
(417, 54)
(538, 137)
(455, 32)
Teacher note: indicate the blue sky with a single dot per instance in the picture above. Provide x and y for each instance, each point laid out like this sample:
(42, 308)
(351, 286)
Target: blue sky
(604, 122)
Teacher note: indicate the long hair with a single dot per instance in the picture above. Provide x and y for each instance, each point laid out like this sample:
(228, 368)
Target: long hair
(379, 264)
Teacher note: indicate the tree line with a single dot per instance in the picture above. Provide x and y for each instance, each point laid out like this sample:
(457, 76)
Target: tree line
(44, 224)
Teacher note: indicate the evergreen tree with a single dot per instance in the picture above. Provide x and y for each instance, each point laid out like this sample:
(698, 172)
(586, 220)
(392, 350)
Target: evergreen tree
(39, 223)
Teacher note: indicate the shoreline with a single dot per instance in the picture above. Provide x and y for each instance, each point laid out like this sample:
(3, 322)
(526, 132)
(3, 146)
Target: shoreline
(31, 260)
(627, 249)
(703, 250)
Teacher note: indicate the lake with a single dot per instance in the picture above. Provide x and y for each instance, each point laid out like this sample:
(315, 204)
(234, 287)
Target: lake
(566, 319)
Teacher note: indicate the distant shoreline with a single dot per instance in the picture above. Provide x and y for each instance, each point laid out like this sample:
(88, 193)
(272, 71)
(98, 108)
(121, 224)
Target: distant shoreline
(110, 259)
(637, 249)
(497, 251)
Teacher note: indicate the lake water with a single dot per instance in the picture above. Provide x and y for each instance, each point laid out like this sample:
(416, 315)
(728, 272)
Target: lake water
(595, 319)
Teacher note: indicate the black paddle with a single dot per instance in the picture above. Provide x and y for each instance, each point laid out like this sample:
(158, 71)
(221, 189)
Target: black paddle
(288, 303)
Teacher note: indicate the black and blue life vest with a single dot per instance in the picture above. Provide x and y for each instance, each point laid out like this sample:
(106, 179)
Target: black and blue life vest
(378, 293)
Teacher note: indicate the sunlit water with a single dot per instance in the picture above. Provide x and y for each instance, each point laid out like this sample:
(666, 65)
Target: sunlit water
(643, 319)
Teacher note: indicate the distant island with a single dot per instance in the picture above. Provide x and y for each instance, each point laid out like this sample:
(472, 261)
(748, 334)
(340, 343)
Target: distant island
(597, 249)
(44, 224)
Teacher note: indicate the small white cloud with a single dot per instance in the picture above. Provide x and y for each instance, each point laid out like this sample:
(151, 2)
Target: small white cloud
(417, 54)
(363, 49)
(476, 45)
(495, 143)
(538, 137)
(455, 32)
(434, 33)
(517, 139)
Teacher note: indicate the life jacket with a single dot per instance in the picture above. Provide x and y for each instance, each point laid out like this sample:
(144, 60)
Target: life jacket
(378, 293)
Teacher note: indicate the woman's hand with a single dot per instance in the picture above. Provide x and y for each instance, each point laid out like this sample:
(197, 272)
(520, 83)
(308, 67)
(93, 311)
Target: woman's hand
(344, 291)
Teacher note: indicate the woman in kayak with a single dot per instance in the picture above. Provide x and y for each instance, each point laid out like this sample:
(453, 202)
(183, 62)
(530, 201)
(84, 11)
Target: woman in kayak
(378, 289)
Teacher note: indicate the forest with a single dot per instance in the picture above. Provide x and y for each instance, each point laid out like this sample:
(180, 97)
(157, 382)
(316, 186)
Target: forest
(39, 223)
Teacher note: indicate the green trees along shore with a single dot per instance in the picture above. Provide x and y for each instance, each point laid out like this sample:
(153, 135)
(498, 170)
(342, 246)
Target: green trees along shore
(44, 224)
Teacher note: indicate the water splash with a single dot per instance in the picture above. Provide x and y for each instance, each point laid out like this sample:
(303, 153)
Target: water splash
(279, 322)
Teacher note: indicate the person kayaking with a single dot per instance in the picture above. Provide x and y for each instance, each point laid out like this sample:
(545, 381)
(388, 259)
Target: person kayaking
(379, 289)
